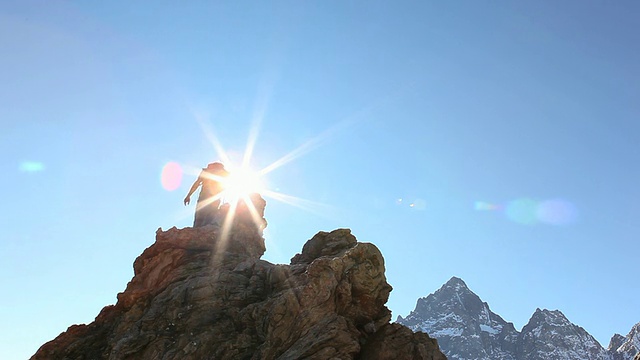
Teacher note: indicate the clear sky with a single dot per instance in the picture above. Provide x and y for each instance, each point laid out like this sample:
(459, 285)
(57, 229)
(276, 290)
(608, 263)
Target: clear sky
(494, 141)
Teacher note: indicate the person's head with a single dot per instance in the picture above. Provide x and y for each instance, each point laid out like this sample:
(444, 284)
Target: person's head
(215, 166)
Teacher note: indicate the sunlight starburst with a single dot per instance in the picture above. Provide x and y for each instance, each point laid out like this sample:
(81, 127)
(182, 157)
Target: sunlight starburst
(242, 184)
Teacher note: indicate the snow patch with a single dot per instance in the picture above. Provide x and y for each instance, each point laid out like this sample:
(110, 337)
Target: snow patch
(460, 301)
(489, 329)
(445, 332)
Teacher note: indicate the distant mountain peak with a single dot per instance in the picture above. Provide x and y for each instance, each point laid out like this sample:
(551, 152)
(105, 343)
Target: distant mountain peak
(625, 347)
(550, 335)
(460, 320)
(456, 282)
(616, 341)
(550, 317)
(467, 329)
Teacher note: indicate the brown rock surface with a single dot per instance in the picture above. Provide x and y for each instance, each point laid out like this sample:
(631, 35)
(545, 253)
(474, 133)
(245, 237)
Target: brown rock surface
(196, 296)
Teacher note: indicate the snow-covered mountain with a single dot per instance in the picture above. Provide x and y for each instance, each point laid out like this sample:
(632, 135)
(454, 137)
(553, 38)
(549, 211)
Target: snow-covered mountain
(463, 324)
(625, 347)
(550, 335)
(467, 329)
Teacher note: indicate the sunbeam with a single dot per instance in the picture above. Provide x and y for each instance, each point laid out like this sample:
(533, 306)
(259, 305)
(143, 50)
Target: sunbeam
(307, 146)
(256, 123)
(304, 204)
(209, 201)
(242, 181)
(209, 133)
(257, 219)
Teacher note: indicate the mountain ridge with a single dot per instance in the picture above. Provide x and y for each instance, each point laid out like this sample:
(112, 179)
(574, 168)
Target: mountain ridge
(466, 328)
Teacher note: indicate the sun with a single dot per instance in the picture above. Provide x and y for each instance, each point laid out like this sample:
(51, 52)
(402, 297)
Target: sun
(240, 184)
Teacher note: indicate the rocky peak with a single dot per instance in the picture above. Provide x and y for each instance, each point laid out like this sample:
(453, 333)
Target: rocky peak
(454, 294)
(466, 328)
(544, 317)
(456, 284)
(204, 293)
(325, 244)
(616, 341)
(625, 347)
(550, 335)
(634, 338)
(463, 324)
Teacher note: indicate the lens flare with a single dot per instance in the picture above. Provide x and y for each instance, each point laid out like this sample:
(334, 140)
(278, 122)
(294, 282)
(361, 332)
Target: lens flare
(31, 166)
(171, 176)
(523, 211)
(527, 211)
(485, 206)
(556, 212)
(418, 204)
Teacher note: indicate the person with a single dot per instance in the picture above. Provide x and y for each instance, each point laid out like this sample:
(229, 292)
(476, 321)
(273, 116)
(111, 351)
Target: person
(211, 179)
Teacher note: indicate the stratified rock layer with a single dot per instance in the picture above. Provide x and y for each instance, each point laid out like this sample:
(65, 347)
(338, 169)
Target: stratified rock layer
(197, 295)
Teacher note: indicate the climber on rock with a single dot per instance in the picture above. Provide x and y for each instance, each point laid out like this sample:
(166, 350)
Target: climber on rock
(211, 178)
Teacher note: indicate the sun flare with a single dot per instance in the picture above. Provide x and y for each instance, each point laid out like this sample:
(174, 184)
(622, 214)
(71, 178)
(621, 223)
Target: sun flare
(240, 184)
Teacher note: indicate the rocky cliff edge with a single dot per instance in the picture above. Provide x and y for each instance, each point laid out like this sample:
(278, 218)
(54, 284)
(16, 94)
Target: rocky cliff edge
(199, 293)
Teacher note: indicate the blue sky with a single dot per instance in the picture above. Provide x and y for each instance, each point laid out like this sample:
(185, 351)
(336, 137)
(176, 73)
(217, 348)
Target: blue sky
(493, 141)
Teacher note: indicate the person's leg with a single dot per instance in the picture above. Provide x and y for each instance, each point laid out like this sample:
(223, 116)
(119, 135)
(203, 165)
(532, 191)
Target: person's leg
(197, 219)
(201, 214)
(206, 215)
(212, 213)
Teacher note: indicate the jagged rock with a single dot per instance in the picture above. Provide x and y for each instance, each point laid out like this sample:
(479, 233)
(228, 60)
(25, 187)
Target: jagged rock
(198, 294)
(467, 329)
(625, 347)
(463, 324)
(614, 344)
(550, 335)
(397, 342)
(616, 341)
(324, 244)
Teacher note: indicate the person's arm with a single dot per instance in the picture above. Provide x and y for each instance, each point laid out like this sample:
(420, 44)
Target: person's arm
(195, 185)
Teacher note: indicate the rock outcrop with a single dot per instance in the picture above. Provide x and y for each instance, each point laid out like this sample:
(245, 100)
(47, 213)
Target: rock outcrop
(204, 293)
